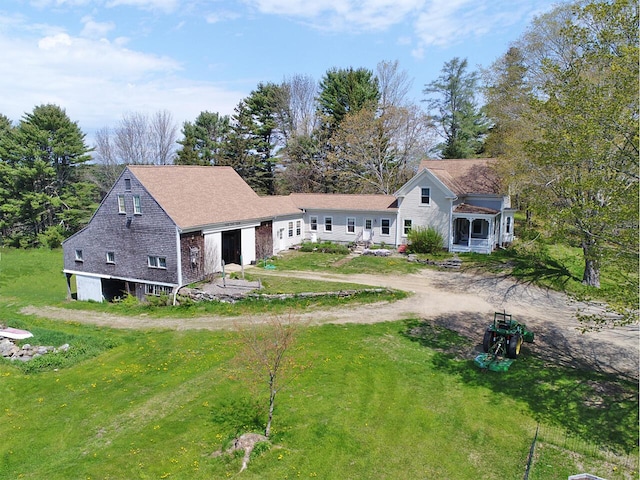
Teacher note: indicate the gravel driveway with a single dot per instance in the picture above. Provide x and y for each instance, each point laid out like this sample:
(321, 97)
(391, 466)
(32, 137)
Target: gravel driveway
(462, 301)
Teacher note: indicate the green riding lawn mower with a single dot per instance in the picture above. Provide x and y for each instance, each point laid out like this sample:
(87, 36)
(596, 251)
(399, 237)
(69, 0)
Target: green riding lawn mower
(501, 342)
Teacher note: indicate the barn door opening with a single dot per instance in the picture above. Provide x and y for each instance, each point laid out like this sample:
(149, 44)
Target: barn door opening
(231, 247)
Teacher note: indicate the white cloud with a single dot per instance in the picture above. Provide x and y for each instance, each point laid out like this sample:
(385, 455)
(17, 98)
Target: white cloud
(96, 81)
(166, 6)
(221, 16)
(93, 29)
(342, 15)
(59, 3)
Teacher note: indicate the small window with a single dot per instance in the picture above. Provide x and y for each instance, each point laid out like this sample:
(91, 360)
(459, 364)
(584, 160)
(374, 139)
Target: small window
(368, 224)
(508, 224)
(79, 256)
(121, 206)
(157, 262)
(127, 184)
(351, 225)
(407, 227)
(425, 196)
(328, 224)
(298, 228)
(137, 208)
(111, 257)
(157, 290)
(385, 226)
(313, 224)
(290, 229)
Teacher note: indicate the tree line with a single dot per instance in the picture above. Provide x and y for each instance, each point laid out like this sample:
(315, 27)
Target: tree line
(559, 111)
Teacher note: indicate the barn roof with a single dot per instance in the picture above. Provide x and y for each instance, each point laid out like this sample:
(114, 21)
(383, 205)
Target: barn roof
(196, 196)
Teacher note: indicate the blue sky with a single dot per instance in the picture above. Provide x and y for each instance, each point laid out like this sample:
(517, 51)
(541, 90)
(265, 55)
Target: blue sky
(99, 59)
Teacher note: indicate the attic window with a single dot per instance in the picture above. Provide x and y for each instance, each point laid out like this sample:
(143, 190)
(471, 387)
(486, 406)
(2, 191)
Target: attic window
(425, 196)
(127, 184)
(111, 257)
(79, 256)
(121, 205)
(137, 207)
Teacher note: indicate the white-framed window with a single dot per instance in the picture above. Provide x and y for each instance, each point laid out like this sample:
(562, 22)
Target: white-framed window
(425, 196)
(328, 224)
(351, 225)
(157, 290)
(385, 226)
(313, 224)
(290, 229)
(157, 262)
(111, 257)
(298, 228)
(127, 184)
(406, 227)
(79, 255)
(121, 205)
(368, 224)
(137, 206)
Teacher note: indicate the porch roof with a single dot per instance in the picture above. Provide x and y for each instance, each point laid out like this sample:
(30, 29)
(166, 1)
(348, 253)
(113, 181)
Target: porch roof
(465, 208)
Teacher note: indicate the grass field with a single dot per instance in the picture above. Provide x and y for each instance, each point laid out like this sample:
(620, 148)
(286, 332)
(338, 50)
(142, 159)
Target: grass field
(385, 401)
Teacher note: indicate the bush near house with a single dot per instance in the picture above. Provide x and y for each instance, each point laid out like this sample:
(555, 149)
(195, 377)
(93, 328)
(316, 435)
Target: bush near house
(425, 240)
(324, 247)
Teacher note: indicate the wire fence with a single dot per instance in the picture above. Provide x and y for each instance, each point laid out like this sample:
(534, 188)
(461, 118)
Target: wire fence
(592, 448)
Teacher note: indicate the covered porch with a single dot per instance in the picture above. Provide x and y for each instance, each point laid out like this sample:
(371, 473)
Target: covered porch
(474, 229)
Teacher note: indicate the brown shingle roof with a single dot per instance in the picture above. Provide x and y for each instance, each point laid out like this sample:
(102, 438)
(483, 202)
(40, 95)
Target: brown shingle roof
(335, 201)
(465, 176)
(466, 208)
(195, 196)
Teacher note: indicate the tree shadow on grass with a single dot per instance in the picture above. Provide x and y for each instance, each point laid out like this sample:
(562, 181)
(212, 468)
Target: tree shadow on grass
(559, 386)
(528, 267)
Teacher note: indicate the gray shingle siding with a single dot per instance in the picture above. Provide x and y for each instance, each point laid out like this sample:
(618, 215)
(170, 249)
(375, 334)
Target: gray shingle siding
(151, 232)
(192, 251)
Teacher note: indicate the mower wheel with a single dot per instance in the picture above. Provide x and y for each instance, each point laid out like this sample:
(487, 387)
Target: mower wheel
(513, 349)
(486, 341)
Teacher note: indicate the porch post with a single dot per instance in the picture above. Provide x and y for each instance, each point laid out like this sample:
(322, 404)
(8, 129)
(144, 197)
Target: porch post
(470, 221)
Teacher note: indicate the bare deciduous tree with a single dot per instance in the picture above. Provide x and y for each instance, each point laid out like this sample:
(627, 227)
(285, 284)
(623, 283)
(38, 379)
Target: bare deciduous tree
(138, 139)
(265, 355)
(394, 84)
(164, 133)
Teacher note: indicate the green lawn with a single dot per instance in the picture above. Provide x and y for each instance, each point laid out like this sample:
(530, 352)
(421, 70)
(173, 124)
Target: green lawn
(391, 400)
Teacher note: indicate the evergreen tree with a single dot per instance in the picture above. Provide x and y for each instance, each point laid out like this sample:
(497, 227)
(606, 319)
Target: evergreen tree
(41, 159)
(203, 140)
(256, 138)
(462, 125)
(345, 91)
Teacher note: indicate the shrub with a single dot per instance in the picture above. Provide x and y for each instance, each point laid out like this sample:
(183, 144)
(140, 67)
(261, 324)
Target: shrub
(324, 247)
(425, 240)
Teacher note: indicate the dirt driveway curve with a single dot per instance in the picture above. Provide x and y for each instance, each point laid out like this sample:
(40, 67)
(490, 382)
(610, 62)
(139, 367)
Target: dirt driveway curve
(462, 301)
